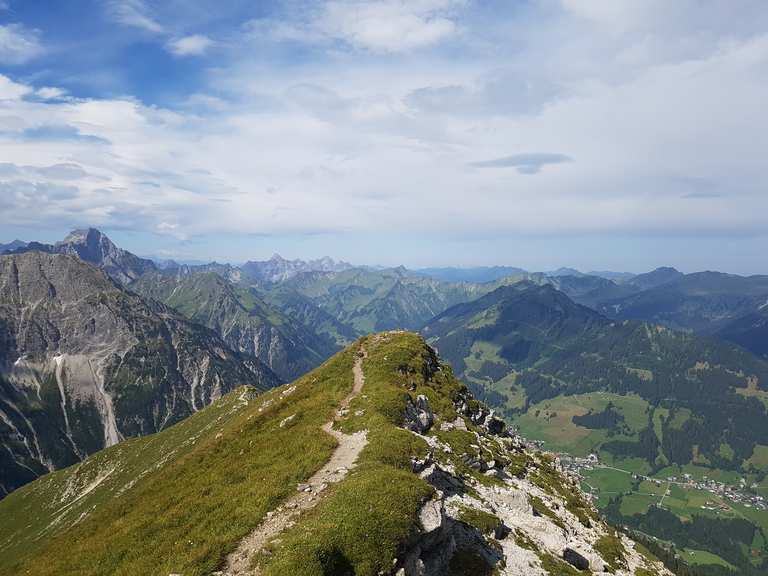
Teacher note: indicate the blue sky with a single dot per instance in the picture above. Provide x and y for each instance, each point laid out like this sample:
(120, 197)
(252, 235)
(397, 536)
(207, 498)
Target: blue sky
(538, 133)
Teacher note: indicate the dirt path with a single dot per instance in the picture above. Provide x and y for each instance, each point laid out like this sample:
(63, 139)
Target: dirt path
(342, 460)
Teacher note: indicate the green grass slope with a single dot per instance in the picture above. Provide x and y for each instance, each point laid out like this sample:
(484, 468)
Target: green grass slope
(177, 501)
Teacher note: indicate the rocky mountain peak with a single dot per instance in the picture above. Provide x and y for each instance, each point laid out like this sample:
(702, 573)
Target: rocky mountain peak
(95, 247)
(278, 269)
(83, 235)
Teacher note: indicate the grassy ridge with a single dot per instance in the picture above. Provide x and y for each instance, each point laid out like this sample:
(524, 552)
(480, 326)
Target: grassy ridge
(230, 467)
(360, 526)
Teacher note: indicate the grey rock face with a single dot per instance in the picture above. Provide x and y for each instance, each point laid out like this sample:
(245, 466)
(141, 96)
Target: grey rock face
(85, 363)
(95, 248)
(277, 268)
(418, 415)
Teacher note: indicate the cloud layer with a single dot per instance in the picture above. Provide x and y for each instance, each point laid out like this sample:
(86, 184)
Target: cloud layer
(356, 117)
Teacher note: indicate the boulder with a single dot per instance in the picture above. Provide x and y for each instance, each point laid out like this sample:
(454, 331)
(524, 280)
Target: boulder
(443, 480)
(575, 559)
(419, 464)
(495, 425)
(431, 515)
(418, 415)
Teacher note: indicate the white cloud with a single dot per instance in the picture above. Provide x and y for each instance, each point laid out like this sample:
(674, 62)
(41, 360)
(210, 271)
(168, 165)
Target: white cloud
(194, 45)
(133, 13)
(10, 90)
(387, 25)
(18, 44)
(380, 26)
(50, 93)
(343, 141)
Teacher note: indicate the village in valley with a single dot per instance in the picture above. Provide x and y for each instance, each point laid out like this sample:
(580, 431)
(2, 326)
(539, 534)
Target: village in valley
(740, 493)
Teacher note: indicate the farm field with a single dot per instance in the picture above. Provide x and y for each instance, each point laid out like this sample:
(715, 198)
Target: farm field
(632, 490)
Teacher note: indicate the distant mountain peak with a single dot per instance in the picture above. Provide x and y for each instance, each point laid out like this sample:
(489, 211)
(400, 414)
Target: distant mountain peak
(667, 269)
(565, 272)
(94, 247)
(14, 245)
(657, 277)
(82, 235)
(94, 240)
(277, 268)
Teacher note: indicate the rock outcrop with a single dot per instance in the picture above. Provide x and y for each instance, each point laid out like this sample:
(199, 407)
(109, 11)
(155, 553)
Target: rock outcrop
(418, 415)
(500, 508)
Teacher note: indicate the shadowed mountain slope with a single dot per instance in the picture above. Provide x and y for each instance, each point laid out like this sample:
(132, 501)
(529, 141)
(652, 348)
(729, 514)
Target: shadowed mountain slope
(241, 318)
(85, 363)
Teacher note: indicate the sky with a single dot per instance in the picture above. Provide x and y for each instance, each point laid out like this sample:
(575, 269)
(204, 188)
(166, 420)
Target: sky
(533, 133)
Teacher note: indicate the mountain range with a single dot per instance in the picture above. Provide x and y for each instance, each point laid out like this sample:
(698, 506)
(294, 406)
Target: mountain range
(278, 269)
(476, 274)
(659, 374)
(14, 245)
(85, 363)
(243, 319)
(702, 302)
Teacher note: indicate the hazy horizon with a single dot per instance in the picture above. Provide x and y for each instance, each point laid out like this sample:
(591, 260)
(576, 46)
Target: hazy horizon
(127, 241)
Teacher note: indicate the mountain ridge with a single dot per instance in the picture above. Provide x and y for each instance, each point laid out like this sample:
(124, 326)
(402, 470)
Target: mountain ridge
(85, 363)
(239, 315)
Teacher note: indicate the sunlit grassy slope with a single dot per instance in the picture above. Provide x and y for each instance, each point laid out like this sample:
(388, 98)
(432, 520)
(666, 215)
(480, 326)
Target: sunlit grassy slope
(179, 500)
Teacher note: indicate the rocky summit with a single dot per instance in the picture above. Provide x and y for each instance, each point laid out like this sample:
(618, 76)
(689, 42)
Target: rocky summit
(85, 363)
(94, 247)
(379, 462)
